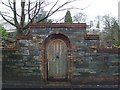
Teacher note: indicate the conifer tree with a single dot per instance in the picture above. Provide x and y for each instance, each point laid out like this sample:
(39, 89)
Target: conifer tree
(68, 18)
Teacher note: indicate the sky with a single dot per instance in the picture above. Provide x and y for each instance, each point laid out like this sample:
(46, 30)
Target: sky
(92, 9)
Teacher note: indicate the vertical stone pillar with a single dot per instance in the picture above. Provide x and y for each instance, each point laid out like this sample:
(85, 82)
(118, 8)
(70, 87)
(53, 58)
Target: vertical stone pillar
(43, 63)
(71, 61)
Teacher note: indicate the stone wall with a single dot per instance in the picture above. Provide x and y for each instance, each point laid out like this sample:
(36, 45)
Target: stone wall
(88, 60)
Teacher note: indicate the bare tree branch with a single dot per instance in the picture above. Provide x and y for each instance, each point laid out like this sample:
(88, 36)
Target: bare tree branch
(5, 4)
(52, 12)
(72, 8)
(15, 15)
(34, 9)
(7, 15)
(35, 14)
(7, 19)
(29, 11)
(53, 7)
(10, 5)
(22, 14)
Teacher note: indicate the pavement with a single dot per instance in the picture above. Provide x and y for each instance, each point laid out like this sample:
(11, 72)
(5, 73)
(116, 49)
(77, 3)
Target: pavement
(36, 84)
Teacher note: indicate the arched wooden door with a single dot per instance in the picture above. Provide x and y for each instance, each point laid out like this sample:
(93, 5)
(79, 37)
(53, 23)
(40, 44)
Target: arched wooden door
(57, 60)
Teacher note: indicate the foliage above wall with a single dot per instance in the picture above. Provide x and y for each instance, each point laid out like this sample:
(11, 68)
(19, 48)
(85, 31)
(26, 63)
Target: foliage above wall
(3, 33)
(116, 43)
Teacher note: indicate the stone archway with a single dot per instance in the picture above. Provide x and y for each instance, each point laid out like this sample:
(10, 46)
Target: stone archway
(56, 58)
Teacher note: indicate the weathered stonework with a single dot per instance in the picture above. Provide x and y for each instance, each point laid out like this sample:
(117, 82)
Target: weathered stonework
(84, 57)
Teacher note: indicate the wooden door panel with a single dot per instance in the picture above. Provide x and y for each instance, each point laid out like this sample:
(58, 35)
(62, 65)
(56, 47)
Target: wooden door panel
(57, 59)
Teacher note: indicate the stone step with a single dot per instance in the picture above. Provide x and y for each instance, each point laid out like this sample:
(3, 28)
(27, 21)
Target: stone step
(50, 83)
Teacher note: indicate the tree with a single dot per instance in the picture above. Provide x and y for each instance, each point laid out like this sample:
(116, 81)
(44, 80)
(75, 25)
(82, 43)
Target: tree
(80, 17)
(41, 15)
(68, 18)
(115, 32)
(22, 17)
(111, 29)
(98, 25)
(97, 19)
(3, 33)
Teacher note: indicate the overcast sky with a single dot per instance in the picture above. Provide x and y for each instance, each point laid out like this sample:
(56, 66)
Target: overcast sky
(94, 8)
